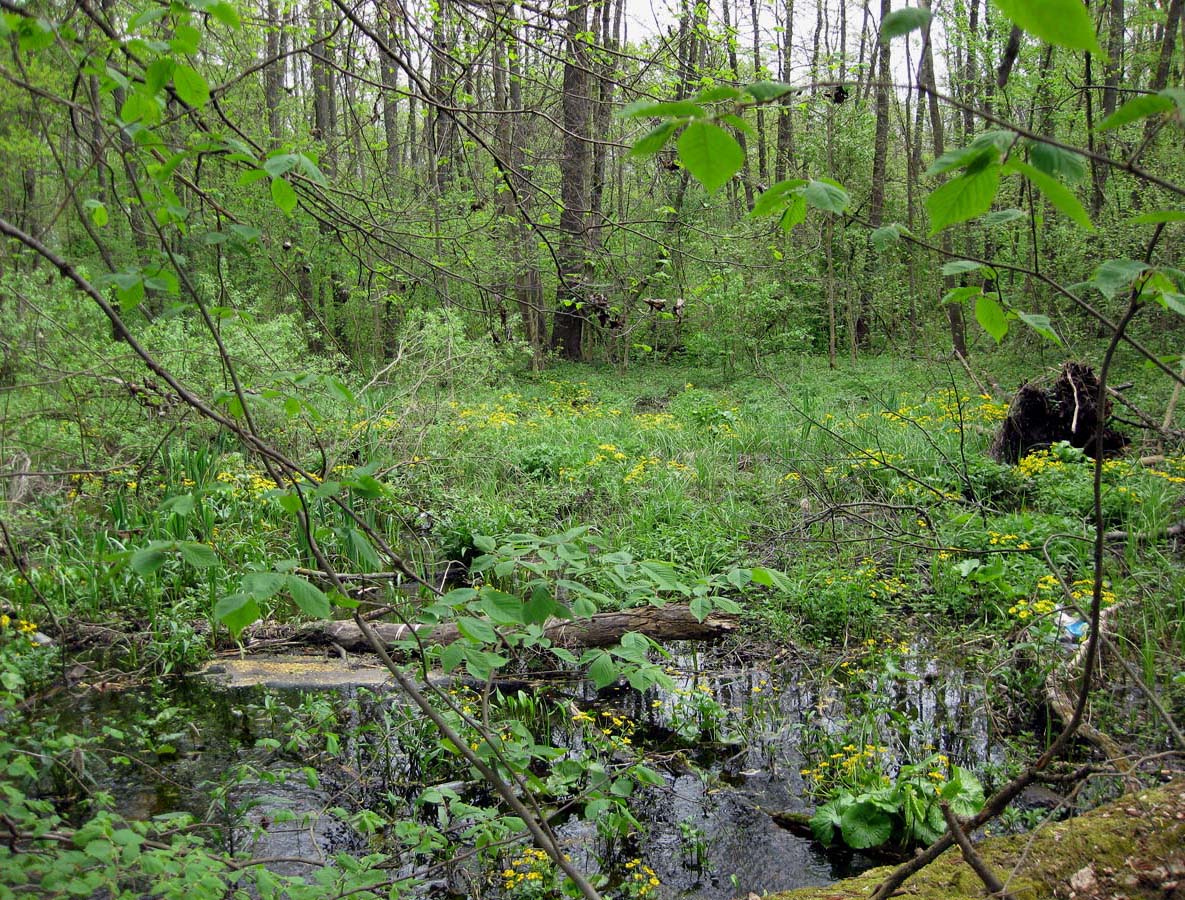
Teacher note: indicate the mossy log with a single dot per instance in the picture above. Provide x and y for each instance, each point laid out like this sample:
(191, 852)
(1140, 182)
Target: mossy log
(1133, 848)
(673, 622)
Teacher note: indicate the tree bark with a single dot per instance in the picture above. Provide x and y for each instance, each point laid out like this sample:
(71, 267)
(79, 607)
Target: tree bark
(662, 623)
(568, 326)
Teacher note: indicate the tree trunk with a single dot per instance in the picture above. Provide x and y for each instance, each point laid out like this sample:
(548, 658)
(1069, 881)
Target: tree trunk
(273, 73)
(387, 24)
(759, 75)
(880, 156)
(568, 327)
(783, 158)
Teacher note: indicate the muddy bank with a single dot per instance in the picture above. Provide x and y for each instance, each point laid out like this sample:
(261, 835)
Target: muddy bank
(1133, 847)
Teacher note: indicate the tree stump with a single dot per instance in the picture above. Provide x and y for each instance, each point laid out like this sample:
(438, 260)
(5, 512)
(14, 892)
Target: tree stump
(1040, 417)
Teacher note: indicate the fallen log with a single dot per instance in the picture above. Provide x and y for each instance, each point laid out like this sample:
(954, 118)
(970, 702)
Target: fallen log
(673, 622)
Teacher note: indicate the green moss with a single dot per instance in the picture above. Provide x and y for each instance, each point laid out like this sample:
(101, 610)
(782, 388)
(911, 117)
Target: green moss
(1146, 827)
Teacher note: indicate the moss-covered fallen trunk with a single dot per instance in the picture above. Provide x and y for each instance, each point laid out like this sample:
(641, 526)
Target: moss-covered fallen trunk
(1133, 848)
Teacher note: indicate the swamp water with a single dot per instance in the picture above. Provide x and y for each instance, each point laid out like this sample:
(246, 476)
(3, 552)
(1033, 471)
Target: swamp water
(731, 741)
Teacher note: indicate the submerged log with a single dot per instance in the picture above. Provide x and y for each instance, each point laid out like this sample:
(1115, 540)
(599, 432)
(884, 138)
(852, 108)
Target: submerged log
(662, 623)
(1067, 411)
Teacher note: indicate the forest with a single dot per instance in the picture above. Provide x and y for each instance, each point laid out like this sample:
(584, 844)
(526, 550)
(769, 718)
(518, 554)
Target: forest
(605, 449)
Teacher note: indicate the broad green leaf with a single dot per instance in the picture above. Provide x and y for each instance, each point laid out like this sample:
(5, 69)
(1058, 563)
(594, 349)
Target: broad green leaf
(675, 108)
(700, 608)
(1160, 215)
(985, 149)
(225, 13)
(280, 164)
(1041, 325)
(1139, 108)
(826, 196)
(1002, 216)
(147, 560)
(774, 198)
(653, 141)
(185, 39)
(1065, 23)
(864, 825)
(764, 91)
(1117, 275)
(990, 316)
(711, 154)
(1055, 161)
(961, 294)
(903, 21)
(98, 212)
(502, 608)
(794, 214)
(158, 73)
(963, 198)
(717, 93)
(236, 612)
(1172, 301)
(310, 170)
(310, 598)
(283, 195)
(959, 266)
(191, 86)
(200, 556)
(476, 630)
(886, 235)
(1055, 192)
(603, 671)
(262, 585)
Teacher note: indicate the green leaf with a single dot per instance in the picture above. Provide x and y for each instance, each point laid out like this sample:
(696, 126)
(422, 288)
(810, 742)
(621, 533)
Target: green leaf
(653, 141)
(98, 212)
(700, 607)
(885, 236)
(676, 108)
(283, 195)
(603, 671)
(310, 598)
(185, 39)
(1002, 216)
(990, 315)
(502, 608)
(147, 560)
(1117, 275)
(963, 198)
(961, 294)
(1138, 108)
(1041, 325)
(158, 73)
(1056, 161)
(710, 153)
(280, 164)
(476, 630)
(191, 86)
(959, 266)
(236, 612)
(776, 196)
(903, 21)
(826, 196)
(262, 585)
(200, 556)
(224, 13)
(717, 93)
(764, 91)
(1155, 218)
(1055, 192)
(1065, 23)
(863, 825)
(794, 214)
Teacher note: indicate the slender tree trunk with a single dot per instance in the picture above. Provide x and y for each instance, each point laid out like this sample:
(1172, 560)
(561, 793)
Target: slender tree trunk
(880, 156)
(758, 75)
(387, 20)
(730, 37)
(1160, 77)
(274, 73)
(568, 327)
(783, 159)
(954, 312)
